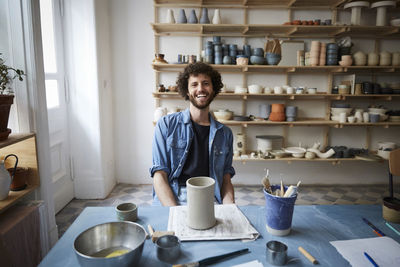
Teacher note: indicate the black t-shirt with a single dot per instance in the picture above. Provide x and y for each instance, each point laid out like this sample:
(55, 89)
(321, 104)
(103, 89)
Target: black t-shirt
(197, 162)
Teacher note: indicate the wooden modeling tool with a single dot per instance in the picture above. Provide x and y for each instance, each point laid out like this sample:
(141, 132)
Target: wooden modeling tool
(308, 255)
(282, 189)
(157, 234)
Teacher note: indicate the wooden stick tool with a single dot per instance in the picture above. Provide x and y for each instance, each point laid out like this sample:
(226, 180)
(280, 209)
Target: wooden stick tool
(308, 255)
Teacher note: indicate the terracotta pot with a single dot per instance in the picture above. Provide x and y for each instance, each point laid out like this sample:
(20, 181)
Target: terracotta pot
(277, 116)
(5, 105)
(20, 178)
(278, 108)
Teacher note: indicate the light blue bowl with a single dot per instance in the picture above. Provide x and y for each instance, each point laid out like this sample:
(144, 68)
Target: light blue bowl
(273, 59)
(257, 60)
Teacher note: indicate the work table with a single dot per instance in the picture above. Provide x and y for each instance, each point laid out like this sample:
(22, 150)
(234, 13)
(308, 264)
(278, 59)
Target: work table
(312, 228)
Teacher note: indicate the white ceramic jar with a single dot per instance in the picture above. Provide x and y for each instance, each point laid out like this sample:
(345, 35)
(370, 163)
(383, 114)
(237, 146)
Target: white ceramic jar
(200, 203)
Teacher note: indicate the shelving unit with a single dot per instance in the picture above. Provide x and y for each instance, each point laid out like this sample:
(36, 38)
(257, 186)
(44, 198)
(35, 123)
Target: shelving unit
(246, 31)
(24, 146)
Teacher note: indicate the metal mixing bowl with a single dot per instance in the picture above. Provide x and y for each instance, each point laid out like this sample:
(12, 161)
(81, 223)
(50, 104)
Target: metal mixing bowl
(93, 245)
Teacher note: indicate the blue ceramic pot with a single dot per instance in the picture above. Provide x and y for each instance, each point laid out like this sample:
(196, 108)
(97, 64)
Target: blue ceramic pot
(258, 52)
(227, 60)
(233, 47)
(291, 111)
(217, 39)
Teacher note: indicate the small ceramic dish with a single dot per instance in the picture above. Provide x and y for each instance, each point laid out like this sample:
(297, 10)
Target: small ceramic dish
(279, 153)
(297, 152)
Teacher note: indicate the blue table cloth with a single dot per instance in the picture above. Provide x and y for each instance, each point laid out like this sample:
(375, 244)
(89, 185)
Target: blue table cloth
(312, 228)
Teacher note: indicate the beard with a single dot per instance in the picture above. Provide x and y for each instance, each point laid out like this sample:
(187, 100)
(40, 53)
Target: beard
(201, 104)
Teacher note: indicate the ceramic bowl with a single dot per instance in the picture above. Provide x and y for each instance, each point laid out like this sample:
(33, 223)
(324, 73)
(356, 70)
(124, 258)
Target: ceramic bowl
(279, 153)
(258, 52)
(395, 22)
(240, 90)
(345, 63)
(255, 89)
(273, 59)
(257, 60)
(223, 114)
(377, 110)
(297, 152)
(337, 111)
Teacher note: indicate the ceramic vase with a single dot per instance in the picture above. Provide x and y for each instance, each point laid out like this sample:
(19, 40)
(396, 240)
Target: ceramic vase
(217, 17)
(200, 203)
(240, 143)
(182, 17)
(192, 17)
(204, 16)
(170, 16)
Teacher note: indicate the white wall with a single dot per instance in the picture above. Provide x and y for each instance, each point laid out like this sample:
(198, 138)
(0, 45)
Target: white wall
(133, 84)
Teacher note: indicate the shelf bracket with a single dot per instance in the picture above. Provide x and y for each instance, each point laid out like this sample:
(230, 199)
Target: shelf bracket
(292, 31)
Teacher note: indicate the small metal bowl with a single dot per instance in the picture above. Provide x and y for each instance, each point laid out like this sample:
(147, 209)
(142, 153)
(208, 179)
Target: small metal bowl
(168, 248)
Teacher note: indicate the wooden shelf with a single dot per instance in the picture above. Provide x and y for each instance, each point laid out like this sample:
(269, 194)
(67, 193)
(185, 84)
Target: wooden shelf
(24, 146)
(288, 96)
(278, 31)
(284, 69)
(314, 4)
(290, 159)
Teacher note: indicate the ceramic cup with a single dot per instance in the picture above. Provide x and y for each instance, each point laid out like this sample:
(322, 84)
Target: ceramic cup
(366, 117)
(200, 203)
(127, 212)
(289, 90)
(278, 90)
(342, 117)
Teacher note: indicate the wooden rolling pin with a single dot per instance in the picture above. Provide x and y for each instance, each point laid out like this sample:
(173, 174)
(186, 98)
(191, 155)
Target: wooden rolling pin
(156, 234)
(308, 255)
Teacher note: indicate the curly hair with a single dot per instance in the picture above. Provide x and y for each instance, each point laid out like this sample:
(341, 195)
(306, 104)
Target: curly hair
(196, 69)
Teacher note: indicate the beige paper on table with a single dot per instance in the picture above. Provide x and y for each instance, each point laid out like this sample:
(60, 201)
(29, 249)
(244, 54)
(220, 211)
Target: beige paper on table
(231, 224)
(384, 250)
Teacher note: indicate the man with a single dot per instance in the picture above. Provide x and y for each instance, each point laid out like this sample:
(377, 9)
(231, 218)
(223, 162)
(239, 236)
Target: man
(191, 143)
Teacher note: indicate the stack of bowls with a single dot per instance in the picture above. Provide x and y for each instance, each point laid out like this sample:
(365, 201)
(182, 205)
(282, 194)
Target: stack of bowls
(344, 51)
(338, 109)
(315, 53)
(291, 113)
(257, 60)
(273, 58)
(277, 112)
(322, 54)
(266, 143)
(346, 60)
(233, 52)
(360, 58)
(218, 55)
(209, 53)
(331, 54)
(255, 89)
(367, 88)
(247, 50)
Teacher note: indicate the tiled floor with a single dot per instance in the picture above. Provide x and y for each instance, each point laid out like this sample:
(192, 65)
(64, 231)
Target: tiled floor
(244, 195)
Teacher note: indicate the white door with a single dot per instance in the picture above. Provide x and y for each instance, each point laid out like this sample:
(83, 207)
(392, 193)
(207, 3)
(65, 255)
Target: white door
(57, 98)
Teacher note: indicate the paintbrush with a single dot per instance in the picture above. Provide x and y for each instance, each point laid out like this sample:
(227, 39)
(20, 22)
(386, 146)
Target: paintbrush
(212, 260)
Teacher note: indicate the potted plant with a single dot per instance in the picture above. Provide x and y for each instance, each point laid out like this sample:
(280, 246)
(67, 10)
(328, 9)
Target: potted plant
(7, 75)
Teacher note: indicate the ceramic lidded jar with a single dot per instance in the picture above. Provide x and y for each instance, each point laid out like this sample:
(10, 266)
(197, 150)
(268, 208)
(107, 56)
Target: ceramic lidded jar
(396, 58)
(385, 58)
(360, 58)
(240, 143)
(200, 203)
(373, 59)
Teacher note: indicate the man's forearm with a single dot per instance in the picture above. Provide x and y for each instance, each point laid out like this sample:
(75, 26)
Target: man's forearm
(163, 189)
(227, 192)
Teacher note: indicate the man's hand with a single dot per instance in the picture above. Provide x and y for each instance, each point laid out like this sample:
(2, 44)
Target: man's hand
(227, 192)
(163, 189)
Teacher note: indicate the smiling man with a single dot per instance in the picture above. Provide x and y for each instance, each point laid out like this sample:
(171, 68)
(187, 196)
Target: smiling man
(192, 143)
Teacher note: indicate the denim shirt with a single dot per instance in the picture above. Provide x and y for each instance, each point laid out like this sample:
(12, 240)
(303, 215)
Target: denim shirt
(172, 139)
